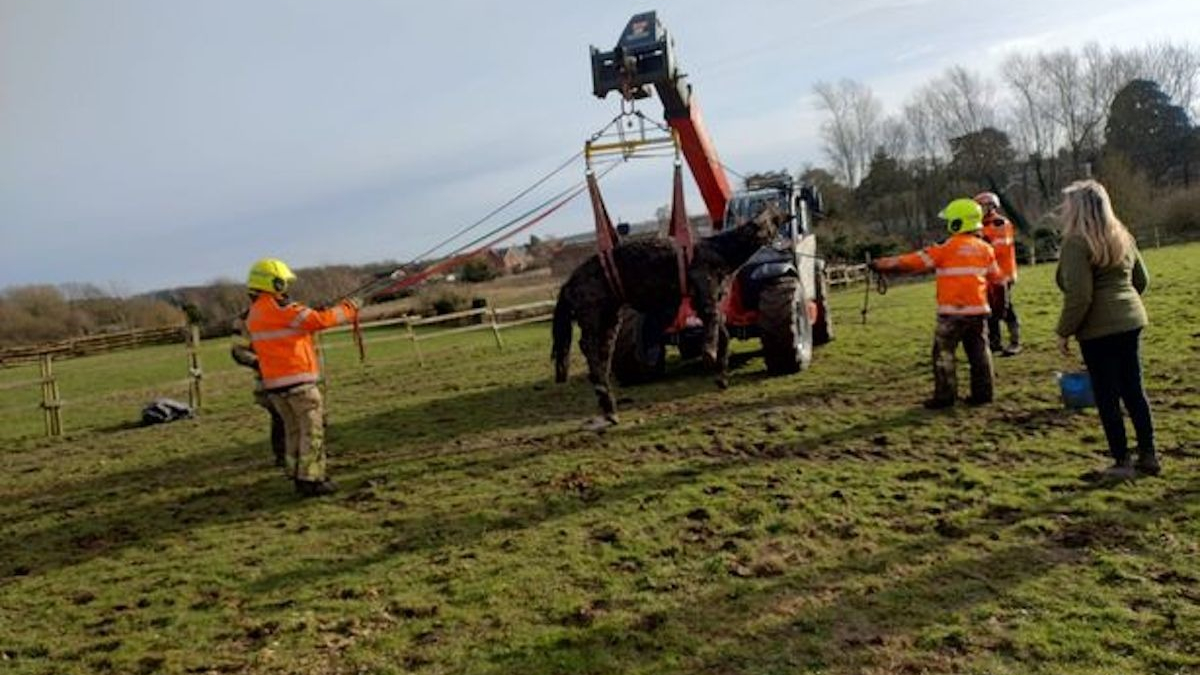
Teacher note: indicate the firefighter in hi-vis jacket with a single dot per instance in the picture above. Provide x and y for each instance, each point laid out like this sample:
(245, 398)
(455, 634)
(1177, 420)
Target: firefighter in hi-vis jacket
(281, 336)
(1000, 233)
(965, 265)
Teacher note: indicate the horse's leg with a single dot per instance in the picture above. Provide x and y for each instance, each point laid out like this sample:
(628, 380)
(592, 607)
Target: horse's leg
(722, 356)
(598, 332)
(608, 339)
(706, 302)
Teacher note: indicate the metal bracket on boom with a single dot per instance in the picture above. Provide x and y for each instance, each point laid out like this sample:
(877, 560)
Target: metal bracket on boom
(644, 62)
(644, 56)
(631, 134)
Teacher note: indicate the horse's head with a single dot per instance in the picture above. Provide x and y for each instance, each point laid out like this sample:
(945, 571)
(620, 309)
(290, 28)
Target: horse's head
(737, 244)
(764, 227)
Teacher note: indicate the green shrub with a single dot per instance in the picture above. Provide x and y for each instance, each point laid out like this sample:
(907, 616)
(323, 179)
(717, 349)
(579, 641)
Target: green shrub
(1179, 217)
(477, 270)
(447, 303)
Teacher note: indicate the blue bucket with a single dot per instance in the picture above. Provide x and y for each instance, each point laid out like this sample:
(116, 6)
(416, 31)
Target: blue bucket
(1076, 389)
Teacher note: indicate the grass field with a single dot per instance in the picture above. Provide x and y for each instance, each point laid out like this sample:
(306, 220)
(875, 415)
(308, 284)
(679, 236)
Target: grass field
(821, 523)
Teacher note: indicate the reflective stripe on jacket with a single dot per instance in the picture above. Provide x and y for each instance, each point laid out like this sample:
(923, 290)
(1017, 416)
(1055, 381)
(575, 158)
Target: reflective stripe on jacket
(281, 336)
(965, 265)
(1001, 234)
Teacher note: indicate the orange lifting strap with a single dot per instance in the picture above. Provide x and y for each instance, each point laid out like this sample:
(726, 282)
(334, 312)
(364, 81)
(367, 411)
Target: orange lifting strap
(681, 236)
(680, 232)
(606, 237)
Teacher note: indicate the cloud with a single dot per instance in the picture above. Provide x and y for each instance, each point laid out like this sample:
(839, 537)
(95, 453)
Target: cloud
(359, 130)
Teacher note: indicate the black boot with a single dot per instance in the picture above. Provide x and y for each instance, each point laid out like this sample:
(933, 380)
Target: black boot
(315, 488)
(1147, 463)
(1122, 469)
(1014, 340)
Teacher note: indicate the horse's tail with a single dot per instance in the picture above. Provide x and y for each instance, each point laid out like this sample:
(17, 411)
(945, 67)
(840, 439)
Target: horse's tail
(561, 351)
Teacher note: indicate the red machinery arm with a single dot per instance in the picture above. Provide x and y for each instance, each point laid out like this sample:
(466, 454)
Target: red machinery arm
(645, 57)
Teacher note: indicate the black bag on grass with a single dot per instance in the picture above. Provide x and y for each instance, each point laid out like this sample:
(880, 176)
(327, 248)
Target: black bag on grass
(163, 410)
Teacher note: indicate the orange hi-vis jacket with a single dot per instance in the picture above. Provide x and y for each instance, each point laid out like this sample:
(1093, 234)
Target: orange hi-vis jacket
(965, 266)
(1001, 234)
(281, 337)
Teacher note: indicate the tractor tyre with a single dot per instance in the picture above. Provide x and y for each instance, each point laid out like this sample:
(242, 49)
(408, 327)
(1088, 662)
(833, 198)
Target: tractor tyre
(631, 364)
(787, 336)
(823, 326)
(691, 344)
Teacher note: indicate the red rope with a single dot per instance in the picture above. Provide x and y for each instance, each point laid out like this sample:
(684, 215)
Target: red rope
(356, 330)
(457, 260)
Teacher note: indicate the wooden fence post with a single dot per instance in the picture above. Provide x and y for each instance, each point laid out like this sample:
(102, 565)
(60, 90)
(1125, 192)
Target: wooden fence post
(195, 373)
(51, 404)
(495, 327)
(412, 335)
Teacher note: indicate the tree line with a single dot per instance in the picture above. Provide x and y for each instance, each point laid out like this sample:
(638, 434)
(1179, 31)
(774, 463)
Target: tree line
(1044, 120)
(45, 313)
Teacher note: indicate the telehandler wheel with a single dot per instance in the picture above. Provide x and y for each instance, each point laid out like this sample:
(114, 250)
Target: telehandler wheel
(634, 362)
(691, 345)
(787, 336)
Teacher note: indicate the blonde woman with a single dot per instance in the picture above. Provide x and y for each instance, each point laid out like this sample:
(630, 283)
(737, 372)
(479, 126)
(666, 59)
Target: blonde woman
(1102, 278)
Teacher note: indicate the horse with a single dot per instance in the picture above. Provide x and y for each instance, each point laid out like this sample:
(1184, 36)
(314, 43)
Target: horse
(649, 278)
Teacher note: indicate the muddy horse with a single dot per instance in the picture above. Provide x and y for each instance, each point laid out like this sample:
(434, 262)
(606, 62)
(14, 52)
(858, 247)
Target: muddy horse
(649, 281)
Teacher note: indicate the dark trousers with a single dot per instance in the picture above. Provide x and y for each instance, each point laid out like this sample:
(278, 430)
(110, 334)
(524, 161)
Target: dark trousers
(1000, 297)
(971, 332)
(1115, 365)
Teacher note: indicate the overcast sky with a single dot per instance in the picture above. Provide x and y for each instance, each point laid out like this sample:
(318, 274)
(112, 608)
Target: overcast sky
(153, 143)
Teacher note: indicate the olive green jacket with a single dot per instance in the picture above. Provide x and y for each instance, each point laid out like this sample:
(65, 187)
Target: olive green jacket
(1099, 301)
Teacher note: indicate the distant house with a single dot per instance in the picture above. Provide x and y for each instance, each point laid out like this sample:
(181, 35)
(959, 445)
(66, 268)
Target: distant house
(515, 259)
(507, 260)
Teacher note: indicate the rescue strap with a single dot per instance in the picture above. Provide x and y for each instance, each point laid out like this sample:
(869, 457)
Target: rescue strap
(680, 231)
(356, 331)
(606, 238)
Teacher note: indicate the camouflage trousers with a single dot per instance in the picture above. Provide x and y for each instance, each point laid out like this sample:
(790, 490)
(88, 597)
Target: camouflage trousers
(302, 410)
(278, 435)
(972, 333)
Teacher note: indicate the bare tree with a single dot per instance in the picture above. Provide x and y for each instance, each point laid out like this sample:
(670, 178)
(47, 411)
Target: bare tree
(1176, 68)
(1069, 103)
(894, 137)
(851, 132)
(1034, 132)
(962, 102)
(923, 136)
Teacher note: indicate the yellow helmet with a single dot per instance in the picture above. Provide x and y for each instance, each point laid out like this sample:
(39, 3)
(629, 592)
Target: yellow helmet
(270, 275)
(962, 215)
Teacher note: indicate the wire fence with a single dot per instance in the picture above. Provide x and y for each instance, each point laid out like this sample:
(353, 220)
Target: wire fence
(63, 389)
(54, 392)
(94, 344)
